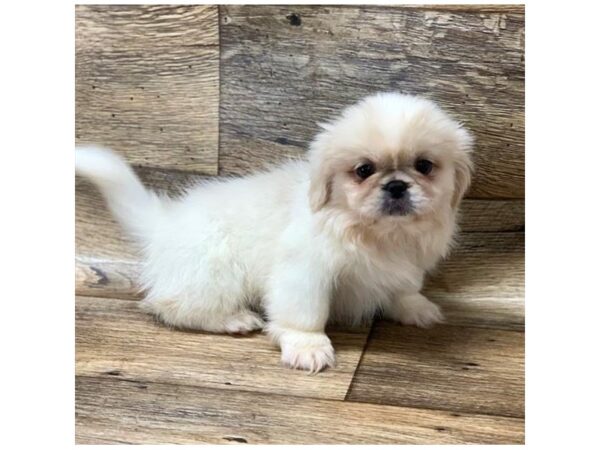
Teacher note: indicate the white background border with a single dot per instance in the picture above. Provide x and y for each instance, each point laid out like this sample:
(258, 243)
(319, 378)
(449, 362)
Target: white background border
(37, 247)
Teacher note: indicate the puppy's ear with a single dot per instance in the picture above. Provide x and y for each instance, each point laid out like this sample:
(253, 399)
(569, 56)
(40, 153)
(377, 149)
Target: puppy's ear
(320, 173)
(463, 167)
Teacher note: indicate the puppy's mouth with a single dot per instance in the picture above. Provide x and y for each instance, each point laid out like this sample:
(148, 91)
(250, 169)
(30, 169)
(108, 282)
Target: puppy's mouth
(397, 206)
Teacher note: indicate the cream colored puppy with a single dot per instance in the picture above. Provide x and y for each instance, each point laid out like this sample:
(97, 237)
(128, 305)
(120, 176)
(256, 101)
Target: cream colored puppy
(345, 234)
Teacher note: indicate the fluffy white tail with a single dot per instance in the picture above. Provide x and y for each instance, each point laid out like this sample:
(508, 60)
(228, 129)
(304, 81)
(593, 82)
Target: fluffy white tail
(135, 207)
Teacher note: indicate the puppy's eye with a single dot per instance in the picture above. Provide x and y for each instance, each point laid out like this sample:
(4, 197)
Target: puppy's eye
(424, 166)
(365, 171)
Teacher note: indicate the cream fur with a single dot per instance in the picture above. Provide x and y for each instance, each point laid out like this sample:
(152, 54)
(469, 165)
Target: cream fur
(307, 242)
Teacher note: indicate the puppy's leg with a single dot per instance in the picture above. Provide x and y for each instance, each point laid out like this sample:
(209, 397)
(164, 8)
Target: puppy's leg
(298, 309)
(305, 350)
(413, 309)
(243, 322)
(195, 315)
(193, 283)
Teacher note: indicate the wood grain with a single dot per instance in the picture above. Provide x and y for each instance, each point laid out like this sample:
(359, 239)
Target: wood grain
(472, 8)
(452, 368)
(492, 215)
(147, 83)
(115, 339)
(285, 68)
(482, 283)
(117, 411)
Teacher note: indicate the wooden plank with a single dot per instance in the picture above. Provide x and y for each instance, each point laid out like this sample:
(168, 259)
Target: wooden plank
(285, 68)
(482, 283)
(116, 411)
(473, 8)
(147, 83)
(106, 278)
(452, 368)
(115, 339)
(492, 215)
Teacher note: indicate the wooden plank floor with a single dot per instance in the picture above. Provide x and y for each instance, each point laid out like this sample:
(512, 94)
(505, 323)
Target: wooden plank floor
(139, 381)
(135, 412)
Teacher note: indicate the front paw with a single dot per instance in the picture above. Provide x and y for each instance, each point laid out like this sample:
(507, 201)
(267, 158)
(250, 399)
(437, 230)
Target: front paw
(416, 310)
(303, 350)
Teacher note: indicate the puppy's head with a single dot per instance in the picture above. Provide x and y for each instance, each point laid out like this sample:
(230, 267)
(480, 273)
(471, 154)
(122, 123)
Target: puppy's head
(392, 157)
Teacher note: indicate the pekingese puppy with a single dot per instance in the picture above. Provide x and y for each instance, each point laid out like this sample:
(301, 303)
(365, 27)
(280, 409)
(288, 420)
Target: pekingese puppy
(345, 234)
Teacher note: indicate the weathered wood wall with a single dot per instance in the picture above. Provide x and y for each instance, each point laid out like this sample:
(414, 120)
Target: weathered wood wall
(147, 83)
(285, 68)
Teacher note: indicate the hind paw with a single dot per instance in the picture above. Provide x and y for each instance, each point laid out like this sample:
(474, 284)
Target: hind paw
(243, 322)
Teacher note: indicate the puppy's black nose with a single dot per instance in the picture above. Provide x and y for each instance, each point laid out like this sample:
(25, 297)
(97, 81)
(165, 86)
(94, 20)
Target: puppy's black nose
(396, 188)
